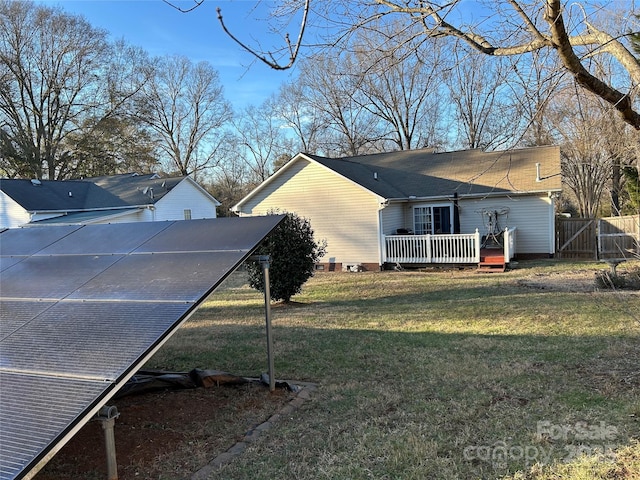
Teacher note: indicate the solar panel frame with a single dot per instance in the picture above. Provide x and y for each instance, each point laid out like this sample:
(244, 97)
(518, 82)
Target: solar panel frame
(91, 307)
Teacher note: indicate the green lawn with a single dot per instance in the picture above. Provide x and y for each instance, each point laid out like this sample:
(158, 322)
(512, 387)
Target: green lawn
(442, 374)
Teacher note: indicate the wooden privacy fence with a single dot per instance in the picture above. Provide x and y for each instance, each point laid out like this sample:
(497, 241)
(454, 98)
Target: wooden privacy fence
(610, 237)
(576, 237)
(619, 237)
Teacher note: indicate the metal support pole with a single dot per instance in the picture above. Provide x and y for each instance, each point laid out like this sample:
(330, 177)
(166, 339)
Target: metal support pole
(267, 311)
(107, 416)
(264, 262)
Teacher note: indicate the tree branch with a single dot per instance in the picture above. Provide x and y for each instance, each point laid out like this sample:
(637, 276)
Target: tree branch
(293, 48)
(561, 42)
(197, 3)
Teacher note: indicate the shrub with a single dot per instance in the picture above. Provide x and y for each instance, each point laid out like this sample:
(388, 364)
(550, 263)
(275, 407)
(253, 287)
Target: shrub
(606, 280)
(293, 253)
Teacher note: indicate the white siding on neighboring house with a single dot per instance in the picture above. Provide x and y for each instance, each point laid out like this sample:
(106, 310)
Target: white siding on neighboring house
(532, 215)
(339, 211)
(11, 213)
(39, 216)
(185, 196)
(142, 215)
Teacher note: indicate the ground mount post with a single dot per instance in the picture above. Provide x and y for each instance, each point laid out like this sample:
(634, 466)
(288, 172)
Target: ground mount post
(265, 261)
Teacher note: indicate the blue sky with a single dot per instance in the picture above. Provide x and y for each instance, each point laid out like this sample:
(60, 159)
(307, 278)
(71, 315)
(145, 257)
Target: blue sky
(161, 29)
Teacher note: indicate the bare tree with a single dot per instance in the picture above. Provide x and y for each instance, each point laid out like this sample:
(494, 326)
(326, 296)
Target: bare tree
(261, 138)
(400, 83)
(590, 147)
(50, 70)
(534, 85)
(184, 107)
(331, 89)
(484, 115)
(572, 31)
(231, 180)
(299, 117)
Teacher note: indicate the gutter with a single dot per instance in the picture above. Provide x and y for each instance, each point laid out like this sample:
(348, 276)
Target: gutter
(81, 210)
(470, 196)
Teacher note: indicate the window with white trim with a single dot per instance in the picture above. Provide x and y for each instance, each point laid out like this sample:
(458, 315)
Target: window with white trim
(187, 214)
(432, 219)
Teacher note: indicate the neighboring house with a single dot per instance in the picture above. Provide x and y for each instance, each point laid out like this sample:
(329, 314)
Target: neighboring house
(110, 199)
(417, 206)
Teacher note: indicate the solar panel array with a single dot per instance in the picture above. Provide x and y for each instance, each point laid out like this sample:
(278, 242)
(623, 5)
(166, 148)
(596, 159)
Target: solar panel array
(83, 307)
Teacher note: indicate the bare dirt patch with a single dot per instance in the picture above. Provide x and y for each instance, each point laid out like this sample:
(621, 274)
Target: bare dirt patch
(592, 279)
(169, 434)
(565, 281)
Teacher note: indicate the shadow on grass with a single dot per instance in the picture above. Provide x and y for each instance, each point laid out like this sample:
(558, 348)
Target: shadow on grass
(453, 390)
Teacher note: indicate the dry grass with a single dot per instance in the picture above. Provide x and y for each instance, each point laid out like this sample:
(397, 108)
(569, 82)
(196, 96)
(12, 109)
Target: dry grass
(430, 374)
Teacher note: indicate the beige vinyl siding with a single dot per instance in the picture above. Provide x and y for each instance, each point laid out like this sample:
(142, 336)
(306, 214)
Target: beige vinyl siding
(184, 196)
(393, 218)
(532, 215)
(341, 212)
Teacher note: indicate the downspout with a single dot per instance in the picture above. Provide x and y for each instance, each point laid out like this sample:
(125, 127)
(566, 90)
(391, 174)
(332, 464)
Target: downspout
(456, 214)
(382, 247)
(552, 225)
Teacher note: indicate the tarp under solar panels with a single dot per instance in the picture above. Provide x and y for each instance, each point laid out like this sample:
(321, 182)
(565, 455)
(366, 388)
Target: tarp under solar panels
(83, 307)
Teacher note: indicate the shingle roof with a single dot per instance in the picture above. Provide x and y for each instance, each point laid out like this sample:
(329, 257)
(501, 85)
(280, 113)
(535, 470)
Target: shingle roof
(423, 173)
(52, 195)
(136, 189)
(114, 191)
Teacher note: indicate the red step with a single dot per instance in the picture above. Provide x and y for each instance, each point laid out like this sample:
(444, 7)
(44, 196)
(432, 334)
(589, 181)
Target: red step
(491, 261)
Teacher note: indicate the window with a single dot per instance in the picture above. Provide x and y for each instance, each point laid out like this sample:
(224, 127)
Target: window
(422, 223)
(187, 214)
(431, 220)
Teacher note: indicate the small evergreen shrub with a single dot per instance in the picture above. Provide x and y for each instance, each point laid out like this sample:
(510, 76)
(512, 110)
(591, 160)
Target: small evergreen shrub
(293, 253)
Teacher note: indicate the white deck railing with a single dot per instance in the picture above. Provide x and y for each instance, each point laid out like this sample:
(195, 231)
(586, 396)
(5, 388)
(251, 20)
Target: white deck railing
(453, 248)
(448, 248)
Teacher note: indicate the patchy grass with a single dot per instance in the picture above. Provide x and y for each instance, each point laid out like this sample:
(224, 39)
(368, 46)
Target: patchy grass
(443, 374)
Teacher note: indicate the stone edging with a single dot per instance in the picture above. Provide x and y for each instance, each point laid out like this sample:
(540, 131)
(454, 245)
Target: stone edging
(252, 435)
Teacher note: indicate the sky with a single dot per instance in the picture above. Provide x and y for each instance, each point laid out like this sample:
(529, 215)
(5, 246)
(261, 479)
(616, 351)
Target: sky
(161, 29)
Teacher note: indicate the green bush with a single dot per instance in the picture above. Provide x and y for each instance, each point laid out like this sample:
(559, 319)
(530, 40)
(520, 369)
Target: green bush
(293, 253)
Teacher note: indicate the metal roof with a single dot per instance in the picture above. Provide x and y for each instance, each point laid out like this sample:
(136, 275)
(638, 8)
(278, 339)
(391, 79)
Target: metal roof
(83, 307)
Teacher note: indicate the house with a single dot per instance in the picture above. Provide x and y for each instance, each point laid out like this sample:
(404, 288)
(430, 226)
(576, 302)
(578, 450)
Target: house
(418, 206)
(110, 199)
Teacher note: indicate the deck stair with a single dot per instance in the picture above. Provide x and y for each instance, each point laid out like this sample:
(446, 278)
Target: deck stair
(491, 260)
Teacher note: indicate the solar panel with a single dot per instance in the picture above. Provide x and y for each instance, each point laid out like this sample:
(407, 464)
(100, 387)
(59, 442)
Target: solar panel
(83, 307)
